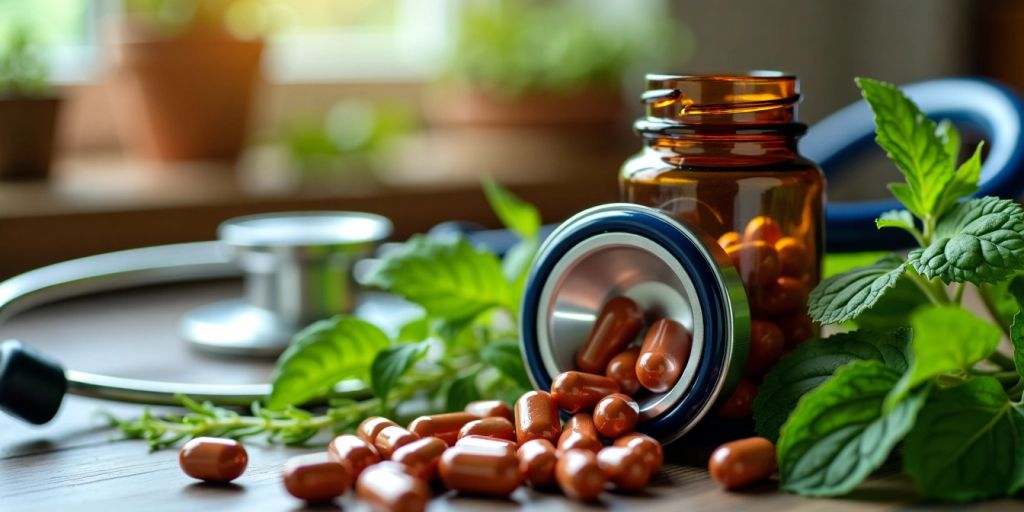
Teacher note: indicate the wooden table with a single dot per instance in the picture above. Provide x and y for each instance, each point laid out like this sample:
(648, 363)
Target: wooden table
(71, 463)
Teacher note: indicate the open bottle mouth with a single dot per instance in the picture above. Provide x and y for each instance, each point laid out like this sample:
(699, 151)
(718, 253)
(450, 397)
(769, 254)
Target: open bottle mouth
(754, 98)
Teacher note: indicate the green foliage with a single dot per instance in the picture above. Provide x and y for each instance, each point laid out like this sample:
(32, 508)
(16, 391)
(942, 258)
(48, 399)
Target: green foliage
(391, 363)
(844, 296)
(22, 70)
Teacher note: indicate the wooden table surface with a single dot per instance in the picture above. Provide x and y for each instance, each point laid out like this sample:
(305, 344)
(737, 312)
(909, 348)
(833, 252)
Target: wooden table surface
(72, 464)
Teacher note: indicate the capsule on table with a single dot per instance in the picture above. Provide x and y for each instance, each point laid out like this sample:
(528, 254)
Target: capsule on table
(480, 471)
(579, 433)
(792, 256)
(739, 404)
(213, 459)
(392, 438)
(579, 475)
(756, 262)
(764, 229)
(490, 408)
(488, 443)
(494, 426)
(352, 452)
(445, 426)
(316, 477)
(786, 295)
(370, 427)
(622, 369)
(537, 417)
(617, 324)
(766, 346)
(653, 453)
(740, 463)
(421, 457)
(388, 486)
(616, 415)
(729, 239)
(537, 461)
(578, 391)
(663, 355)
(624, 467)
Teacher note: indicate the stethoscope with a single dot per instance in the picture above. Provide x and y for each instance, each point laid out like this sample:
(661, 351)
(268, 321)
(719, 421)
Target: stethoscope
(300, 267)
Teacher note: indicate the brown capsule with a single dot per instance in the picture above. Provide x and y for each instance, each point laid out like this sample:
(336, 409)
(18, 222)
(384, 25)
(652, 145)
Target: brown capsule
(370, 427)
(766, 345)
(756, 262)
(352, 452)
(391, 439)
(316, 477)
(488, 443)
(792, 256)
(579, 433)
(494, 426)
(740, 463)
(489, 409)
(624, 467)
(739, 404)
(445, 426)
(388, 486)
(729, 239)
(537, 461)
(663, 355)
(421, 457)
(622, 369)
(213, 459)
(617, 324)
(480, 471)
(579, 476)
(537, 417)
(786, 295)
(647, 446)
(796, 329)
(616, 415)
(578, 391)
(762, 228)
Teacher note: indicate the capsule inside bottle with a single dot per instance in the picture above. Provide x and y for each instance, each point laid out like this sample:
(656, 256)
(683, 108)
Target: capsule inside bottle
(663, 355)
(617, 324)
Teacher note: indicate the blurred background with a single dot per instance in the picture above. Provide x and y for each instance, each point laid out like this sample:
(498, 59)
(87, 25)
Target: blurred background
(126, 123)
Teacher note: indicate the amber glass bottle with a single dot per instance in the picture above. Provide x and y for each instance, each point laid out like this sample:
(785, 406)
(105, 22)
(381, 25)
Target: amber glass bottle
(720, 154)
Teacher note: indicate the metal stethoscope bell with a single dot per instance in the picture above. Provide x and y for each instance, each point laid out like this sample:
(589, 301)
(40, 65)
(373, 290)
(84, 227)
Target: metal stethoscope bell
(298, 269)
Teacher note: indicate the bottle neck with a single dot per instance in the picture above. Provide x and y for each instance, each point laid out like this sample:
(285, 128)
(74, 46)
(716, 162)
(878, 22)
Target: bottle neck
(720, 145)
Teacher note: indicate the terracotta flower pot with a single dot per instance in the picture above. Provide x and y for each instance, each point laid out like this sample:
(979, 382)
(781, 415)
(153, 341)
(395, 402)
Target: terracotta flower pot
(27, 131)
(187, 97)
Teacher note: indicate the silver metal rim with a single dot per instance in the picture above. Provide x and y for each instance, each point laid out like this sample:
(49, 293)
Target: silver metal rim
(305, 229)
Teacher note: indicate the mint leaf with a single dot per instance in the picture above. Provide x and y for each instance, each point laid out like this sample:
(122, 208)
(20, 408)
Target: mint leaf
(911, 141)
(978, 241)
(950, 138)
(506, 357)
(844, 296)
(1017, 339)
(964, 182)
(894, 309)
(1008, 296)
(946, 338)
(967, 443)
(901, 219)
(839, 434)
(451, 279)
(321, 355)
(390, 364)
(813, 362)
(516, 214)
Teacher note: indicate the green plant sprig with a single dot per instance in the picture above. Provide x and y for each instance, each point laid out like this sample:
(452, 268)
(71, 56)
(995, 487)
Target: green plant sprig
(932, 379)
(463, 348)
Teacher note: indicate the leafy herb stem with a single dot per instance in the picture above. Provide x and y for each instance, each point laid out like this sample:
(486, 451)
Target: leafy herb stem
(935, 295)
(958, 297)
(985, 292)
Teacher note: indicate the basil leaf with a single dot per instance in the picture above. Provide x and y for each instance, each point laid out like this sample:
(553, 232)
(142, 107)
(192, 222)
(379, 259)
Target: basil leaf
(516, 214)
(946, 338)
(462, 391)
(901, 219)
(838, 434)
(321, 355)
(506, 357)
(451, 279)
(911, 141)
(967, 443)
(390, 364)
(845, 296)
(813, 362)
(978, 241)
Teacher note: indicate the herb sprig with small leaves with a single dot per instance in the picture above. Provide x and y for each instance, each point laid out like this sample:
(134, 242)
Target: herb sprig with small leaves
(936, 384)
(464, 347)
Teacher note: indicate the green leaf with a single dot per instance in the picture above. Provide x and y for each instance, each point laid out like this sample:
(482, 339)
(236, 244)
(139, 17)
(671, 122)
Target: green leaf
(507, 359)
(964, 182)
(901, 219)
(967, 443)
(978, 241)
(946, 338)
(462, 391)
(516, 214)
(838, 433)
(1008, 296)
(390, 364)
(321, 355)
(451, 279)
(912, 143)
(813, 362)
(950, 138)
(894, 309)
(844, 296)
(414, 330)
(1017, 339)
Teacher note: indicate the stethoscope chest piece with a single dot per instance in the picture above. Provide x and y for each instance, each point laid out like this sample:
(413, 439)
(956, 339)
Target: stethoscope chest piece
(672, 271)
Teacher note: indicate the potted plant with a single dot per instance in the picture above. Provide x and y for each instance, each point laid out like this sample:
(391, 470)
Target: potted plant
(28, 111)
(185, 73)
